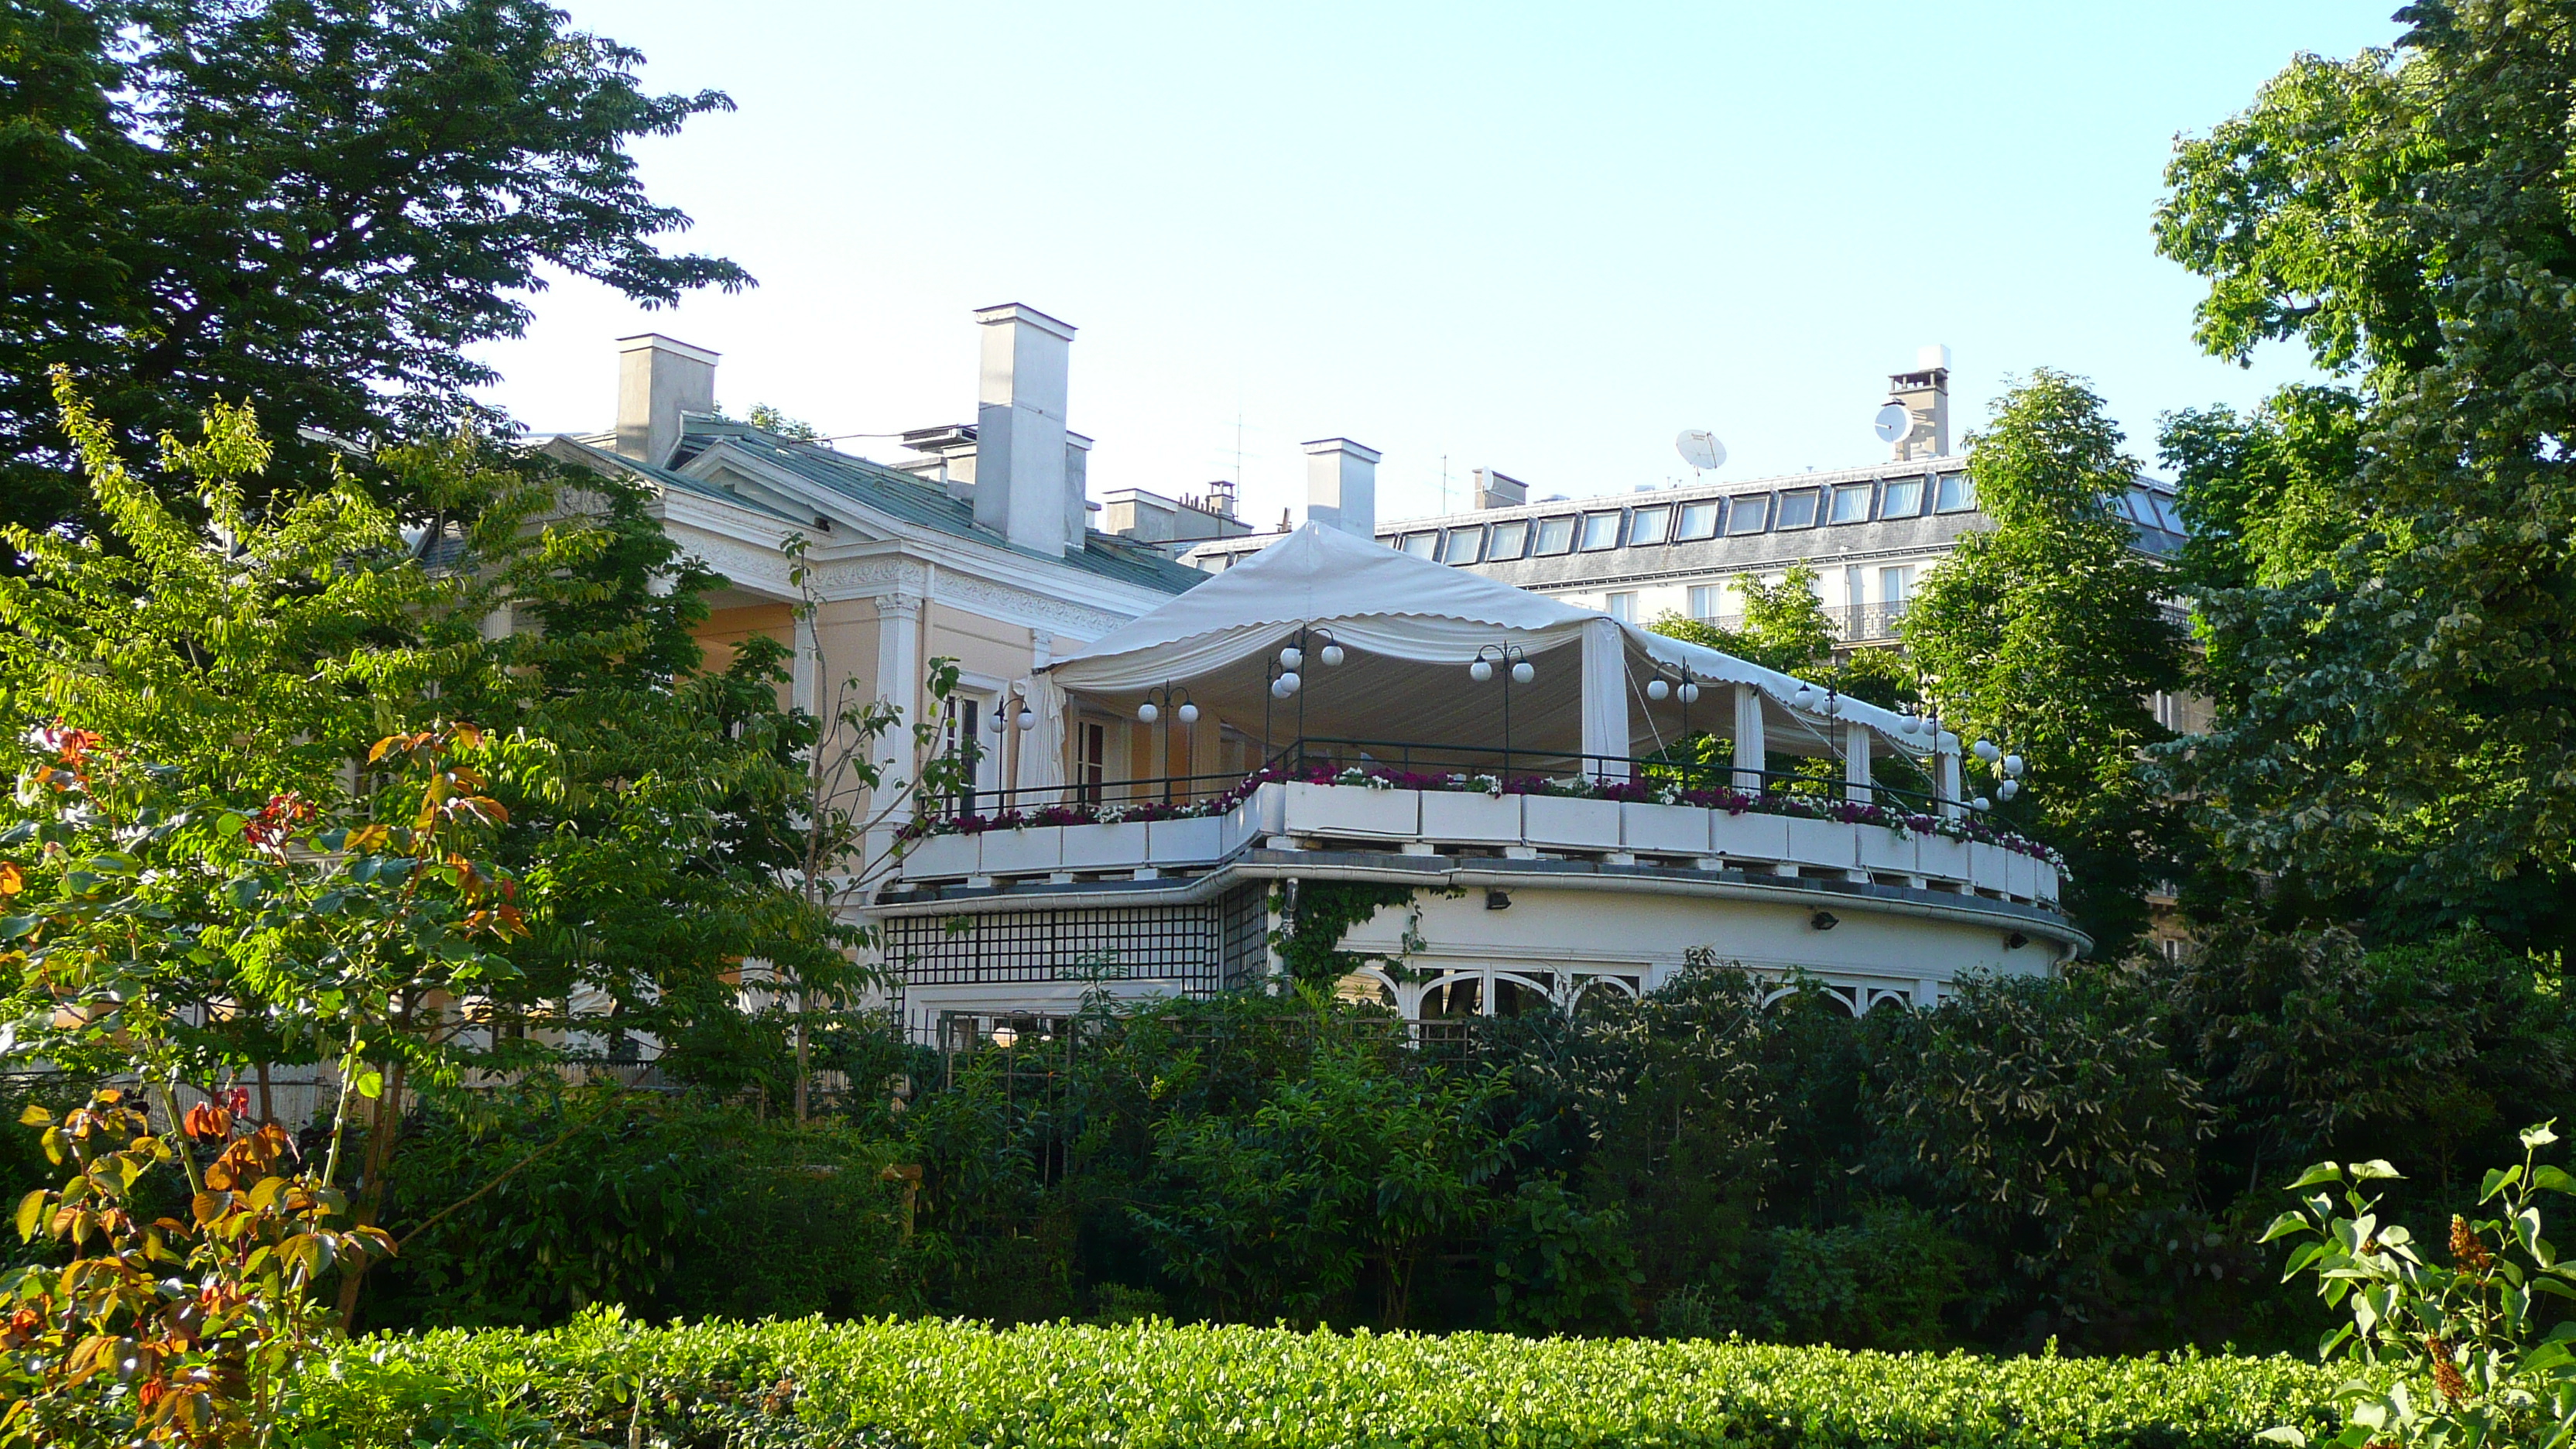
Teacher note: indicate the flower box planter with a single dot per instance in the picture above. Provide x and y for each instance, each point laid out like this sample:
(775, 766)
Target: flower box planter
(1884, 852)
(1037, 850)
(1246, 821)
(1664, 829)
(1353, 811)
(1941, 858)
(1185, 842)
(1823, 845)
(1762, 839)
(941, 856)
(1566, 823)
(2021, 876)
(1471, 817)
(1105, 847)
(1988, 866)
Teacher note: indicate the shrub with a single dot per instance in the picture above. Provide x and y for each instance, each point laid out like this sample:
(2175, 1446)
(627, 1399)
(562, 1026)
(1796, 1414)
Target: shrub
(1154, 1386)
(527, 1206)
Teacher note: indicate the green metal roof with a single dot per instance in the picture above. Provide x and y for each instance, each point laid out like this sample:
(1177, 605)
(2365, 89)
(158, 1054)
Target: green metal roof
(902, 496)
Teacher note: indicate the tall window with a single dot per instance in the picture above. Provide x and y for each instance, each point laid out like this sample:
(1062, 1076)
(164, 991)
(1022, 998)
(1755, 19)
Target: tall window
(1622, 607)
(964, 742)
(1090, 759)
(1707, 601)
(1896, 584)
(1748, 513)
(1463, 546)
(1958, 493)
(1650, 525)
(1699, 520)
(1851, 503)
(1798, 509)
(1555, 535)
(1903, 499)
(1511, 540)
(1422, 545)
(1600, 530)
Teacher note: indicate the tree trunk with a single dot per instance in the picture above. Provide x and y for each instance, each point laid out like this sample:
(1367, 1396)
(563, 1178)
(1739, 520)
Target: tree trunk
(382, 1129)
(804, 1074)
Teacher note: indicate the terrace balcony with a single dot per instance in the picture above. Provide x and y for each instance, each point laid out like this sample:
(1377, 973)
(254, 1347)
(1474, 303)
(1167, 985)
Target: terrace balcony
(1565, 803)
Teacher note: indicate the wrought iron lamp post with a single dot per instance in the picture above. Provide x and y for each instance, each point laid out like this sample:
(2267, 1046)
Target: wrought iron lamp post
(1166, 703)
(1513, 663)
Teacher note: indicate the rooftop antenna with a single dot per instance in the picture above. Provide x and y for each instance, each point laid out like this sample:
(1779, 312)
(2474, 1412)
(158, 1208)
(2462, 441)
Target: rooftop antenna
(1700, 448)
(1238, 452)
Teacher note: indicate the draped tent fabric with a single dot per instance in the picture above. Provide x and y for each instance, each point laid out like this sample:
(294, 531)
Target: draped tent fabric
(1220, 636)
(1041, 764)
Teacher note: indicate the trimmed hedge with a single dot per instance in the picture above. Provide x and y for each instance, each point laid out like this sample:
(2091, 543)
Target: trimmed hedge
(933, 1383)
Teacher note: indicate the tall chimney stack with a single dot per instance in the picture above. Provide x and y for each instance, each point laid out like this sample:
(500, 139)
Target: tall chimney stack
(1020, 443)
(1925, 392)
(1341, 486)
(1498, 490)
(659, 378)
(1077, 491)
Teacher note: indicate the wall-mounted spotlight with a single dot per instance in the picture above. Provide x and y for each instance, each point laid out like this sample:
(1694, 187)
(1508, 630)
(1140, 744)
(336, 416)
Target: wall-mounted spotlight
(1824, 920)
(1498, 900)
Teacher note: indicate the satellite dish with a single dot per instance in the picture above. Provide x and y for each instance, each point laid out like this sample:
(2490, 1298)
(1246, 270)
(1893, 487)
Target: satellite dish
(1893, 423)
(1700, 448)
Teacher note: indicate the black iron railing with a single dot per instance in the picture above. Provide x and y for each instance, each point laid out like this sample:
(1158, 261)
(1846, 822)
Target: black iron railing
(1699, 766)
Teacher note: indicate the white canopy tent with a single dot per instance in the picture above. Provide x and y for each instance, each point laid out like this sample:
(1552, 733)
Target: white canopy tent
(1409, 629)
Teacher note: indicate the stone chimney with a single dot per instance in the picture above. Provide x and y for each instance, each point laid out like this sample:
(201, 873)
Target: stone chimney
(1341, 486)
(1925, 392)
(1077, 491)
(1022, 488)
(1494, 490)
(659, 378)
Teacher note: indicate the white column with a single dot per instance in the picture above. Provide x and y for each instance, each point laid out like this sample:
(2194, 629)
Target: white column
(899, 683)
(1748, 738)
(1856, 762)
(1605, 698)
(1946, 773)
(805, 670)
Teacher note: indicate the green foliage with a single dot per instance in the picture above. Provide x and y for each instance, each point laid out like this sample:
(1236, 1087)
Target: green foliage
(938, 1384)
(778, 424)
(2049, 1121)
(2446, 1356)
(1322, 913)
(314, 209)
(1338, 1181)
(1560, 1265)
(266, 651)
(1784, 625)
(2309, 1044)
(2393, 735)
(2045, 635)
(524, 1207)
(135, 899)
(1882, 1280)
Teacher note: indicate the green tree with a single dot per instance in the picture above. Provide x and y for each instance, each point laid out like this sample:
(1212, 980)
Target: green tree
(2394, 733)
(2046, 634)
(139, 904)
(310, 206)
(647, 805)
(1784, 626)
(1351, 1171)
(778, 424)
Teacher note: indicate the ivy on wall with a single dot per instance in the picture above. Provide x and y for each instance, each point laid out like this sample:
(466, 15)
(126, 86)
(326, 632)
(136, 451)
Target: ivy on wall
(1315, 919)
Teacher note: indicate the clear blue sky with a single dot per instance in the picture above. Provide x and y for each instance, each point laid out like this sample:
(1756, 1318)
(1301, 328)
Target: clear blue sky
(1539, 238)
